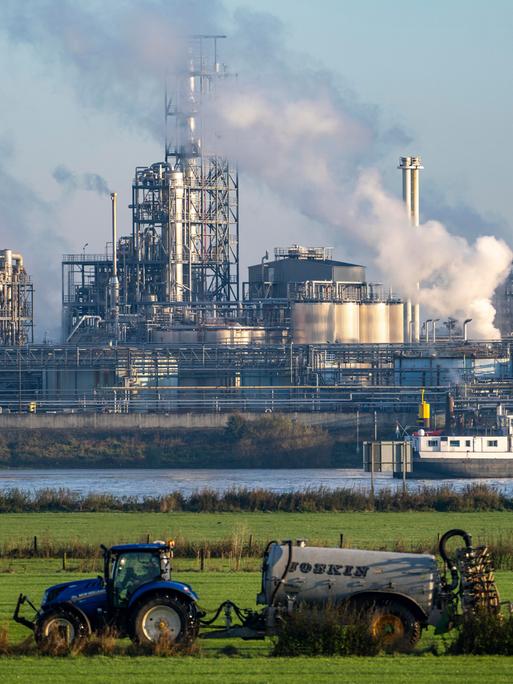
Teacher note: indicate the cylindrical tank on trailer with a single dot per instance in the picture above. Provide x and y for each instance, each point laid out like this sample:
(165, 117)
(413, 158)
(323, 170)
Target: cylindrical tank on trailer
(395, 322)
(347, 322)
(319, 575)
(312, 322)
(374, 323)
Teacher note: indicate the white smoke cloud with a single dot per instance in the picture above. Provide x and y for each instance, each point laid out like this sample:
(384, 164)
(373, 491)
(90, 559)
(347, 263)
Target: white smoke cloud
(307, 148)
(292, 127)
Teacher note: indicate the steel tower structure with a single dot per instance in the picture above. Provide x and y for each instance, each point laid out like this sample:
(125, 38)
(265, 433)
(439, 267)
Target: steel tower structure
(185, 212)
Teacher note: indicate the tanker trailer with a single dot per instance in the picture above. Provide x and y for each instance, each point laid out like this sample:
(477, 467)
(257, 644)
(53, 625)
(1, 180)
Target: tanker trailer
(399, 594)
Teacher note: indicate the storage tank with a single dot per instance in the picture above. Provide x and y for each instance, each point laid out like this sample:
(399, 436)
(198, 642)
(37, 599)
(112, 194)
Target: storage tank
(347, 322)
(241, 335)
(322, 575)
(218, 335)
(395, 322)
(257, 335)
(175, 336)
(374, 323)
(312, 322)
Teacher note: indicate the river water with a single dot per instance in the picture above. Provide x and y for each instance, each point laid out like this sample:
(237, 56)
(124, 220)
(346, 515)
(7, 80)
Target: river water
(140, 483)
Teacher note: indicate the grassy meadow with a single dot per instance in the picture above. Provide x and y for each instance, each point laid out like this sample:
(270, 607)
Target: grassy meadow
(232, 576)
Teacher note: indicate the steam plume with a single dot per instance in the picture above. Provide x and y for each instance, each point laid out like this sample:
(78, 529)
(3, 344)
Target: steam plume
(292, 128)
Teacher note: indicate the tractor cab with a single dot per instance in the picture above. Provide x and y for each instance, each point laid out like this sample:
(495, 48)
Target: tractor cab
(128, 567)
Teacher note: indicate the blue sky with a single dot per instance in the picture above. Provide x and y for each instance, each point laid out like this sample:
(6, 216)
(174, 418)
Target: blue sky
(440, 71)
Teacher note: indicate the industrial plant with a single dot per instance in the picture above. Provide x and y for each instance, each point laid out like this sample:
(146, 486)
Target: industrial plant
(166, 321)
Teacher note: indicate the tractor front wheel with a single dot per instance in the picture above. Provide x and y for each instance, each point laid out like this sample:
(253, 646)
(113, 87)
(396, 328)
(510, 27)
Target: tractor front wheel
(60, 628)
(165, 618)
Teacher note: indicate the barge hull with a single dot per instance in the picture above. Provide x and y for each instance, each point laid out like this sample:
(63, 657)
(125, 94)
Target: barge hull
(436, 468)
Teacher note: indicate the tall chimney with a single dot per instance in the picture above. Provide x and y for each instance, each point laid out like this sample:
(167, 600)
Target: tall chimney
(114, 282)
(411, 167)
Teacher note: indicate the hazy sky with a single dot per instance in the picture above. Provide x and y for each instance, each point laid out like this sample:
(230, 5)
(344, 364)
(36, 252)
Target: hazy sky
(435, 72)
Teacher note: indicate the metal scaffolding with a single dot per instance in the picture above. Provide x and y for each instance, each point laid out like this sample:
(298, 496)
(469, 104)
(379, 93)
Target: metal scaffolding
(16, 300)
(183, 252)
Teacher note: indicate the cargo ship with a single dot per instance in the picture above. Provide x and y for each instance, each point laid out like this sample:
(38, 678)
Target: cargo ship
(433, 454)
(443, 456)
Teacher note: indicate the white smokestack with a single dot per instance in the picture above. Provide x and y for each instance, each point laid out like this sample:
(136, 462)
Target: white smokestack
(411, 167)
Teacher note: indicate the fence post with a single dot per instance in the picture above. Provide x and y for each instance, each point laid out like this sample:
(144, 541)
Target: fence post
(148, 538)
(35, 546)
(250, 544)
(202, 559)
(341, 541)
(64, 559)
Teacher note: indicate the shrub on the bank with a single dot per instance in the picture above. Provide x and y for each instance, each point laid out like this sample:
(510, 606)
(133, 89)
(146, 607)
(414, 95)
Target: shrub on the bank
(327, 631)
(485, 633)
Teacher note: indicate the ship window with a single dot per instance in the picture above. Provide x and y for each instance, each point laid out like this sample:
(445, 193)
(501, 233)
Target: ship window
(432, 442)
(468, 443)
(454, 442)
(492, 443)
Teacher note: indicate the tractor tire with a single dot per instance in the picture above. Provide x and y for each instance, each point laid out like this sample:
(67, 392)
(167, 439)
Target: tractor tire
(60, 628)
(394, 625)
(163, 617)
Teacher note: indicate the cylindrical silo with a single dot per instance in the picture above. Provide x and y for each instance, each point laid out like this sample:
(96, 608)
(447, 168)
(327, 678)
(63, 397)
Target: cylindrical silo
(347, 322)
(241, 335)
(312, 322)
(395, 322)
(217, 335)
(257, 335)
(374, 323)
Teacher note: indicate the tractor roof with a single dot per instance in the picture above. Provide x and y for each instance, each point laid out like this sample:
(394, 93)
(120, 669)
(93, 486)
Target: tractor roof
(127, 548)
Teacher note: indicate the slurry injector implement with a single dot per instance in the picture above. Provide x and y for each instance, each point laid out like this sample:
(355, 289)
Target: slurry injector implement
(398, 593)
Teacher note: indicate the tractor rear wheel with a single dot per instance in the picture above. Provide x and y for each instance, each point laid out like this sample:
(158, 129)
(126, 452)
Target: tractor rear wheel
(60, 628)
(163, 617)
(394, 625)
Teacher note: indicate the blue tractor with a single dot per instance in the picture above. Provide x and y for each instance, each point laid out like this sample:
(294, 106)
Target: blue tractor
(135, 596)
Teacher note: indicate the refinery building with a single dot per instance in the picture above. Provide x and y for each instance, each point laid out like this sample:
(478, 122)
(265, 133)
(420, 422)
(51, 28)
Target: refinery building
(167, 321)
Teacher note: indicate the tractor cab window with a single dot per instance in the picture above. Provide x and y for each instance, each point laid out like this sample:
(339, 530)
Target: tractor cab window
(131, 570)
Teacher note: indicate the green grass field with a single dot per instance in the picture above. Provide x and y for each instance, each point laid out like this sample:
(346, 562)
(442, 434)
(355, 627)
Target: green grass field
(365, 529)
(260, 670)
(250, 661)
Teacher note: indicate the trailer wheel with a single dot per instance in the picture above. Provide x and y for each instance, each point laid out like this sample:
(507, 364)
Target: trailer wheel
(60, 627)
(163, 617)
(394, 625)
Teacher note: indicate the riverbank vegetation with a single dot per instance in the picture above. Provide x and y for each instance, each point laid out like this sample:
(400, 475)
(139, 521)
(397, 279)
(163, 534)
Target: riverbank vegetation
(471, 498)
(272, 441)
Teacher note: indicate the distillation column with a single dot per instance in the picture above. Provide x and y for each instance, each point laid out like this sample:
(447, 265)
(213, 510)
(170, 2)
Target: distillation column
(16, 300)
